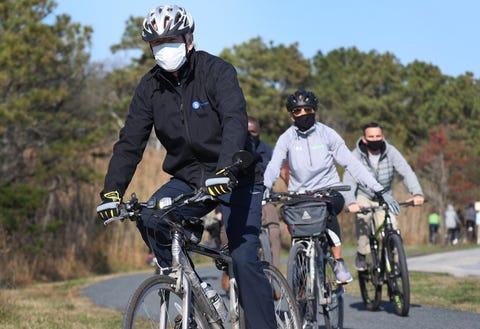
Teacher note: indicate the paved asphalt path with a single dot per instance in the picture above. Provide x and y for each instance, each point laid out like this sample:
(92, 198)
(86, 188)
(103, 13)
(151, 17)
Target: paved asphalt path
(115, 293)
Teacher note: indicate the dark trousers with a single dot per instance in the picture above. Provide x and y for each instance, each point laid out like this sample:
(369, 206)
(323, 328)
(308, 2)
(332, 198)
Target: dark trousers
(242, 221)
(433, 230)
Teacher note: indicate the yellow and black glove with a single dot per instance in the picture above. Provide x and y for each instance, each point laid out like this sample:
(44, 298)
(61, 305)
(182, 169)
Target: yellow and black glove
(222, 183)
(109, 206)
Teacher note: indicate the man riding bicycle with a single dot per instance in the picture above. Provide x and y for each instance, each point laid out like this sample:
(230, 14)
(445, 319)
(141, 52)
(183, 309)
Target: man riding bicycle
(196, 107)
(382, 160)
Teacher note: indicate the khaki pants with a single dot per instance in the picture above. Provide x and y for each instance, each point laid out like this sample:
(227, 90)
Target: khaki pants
(270, 219)
(362, 224)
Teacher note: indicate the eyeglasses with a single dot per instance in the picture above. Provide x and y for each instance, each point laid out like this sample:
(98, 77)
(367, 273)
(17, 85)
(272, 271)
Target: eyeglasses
(298, 111)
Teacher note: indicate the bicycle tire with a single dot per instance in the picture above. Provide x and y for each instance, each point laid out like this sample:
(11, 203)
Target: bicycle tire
(286, 310)
(143, 309)
(332, 303)
(397, 275)
(299, 282)
(371, 280)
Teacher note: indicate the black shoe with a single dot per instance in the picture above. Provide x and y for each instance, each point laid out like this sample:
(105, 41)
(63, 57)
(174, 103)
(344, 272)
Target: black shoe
(360, 262)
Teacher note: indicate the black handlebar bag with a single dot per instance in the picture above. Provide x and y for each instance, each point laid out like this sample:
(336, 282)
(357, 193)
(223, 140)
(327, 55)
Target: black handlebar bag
(305, 218)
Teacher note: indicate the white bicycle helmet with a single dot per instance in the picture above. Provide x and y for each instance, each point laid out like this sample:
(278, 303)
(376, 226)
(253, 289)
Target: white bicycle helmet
(166, 21)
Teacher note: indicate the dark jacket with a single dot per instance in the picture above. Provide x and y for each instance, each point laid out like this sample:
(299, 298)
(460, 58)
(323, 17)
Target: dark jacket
(200, 119)
(265, 152)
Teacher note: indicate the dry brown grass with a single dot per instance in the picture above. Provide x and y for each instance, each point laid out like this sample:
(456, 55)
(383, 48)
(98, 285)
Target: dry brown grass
(53, 305)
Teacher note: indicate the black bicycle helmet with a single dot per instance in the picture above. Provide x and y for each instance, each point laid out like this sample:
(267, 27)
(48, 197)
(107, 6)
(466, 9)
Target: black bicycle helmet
(166, 21)
(302, 98)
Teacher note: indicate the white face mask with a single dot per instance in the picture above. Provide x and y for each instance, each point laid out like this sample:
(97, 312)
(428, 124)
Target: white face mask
(170, 56)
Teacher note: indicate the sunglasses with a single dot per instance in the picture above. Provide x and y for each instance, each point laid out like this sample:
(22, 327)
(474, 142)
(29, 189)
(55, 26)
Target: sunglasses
(298, 111)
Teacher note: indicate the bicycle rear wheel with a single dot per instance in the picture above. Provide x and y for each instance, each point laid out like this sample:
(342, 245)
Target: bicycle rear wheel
(370, 282)
(397, 275)
(156, 304)
(331, 300)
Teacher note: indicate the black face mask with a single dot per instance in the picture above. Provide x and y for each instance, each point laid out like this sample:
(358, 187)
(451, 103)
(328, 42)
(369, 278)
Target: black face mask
(305, 121)
(256, 139)
(375, 145)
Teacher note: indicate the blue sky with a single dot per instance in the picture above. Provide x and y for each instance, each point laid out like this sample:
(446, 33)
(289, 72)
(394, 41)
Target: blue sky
(440, 32)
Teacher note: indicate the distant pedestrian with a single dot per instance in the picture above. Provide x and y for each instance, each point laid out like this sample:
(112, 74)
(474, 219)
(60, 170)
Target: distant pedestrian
(477, 221)
(451, 222)
(459, 232)
(433, 224)
(470, 215)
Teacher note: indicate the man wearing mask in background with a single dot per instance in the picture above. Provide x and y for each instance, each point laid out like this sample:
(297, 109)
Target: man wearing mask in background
(269, 211)
(382, 160)
(196, 107)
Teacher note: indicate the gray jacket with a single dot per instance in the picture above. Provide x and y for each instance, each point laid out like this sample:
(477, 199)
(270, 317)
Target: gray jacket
(311, 158)
(451, 217)
(391, 161)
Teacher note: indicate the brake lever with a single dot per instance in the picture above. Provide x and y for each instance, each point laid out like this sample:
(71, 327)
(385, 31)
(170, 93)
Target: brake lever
(110, 220)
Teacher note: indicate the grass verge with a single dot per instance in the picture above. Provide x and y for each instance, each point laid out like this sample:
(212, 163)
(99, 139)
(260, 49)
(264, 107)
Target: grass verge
(431, 289)
(52, 306)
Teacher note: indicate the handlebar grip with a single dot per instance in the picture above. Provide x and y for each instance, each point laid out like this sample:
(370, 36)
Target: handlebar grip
(341, 188)
(108, 221)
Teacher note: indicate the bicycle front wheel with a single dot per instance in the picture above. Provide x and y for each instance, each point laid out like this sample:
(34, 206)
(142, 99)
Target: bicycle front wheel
(397, 275)
(157, 304)
(299, 281)
(331, 296)
(286, 311)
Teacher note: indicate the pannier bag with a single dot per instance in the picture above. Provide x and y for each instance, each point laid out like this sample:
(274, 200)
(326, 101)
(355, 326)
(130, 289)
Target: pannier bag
(306, 218)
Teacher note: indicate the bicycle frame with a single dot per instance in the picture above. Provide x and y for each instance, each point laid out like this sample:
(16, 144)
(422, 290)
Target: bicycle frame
(221, 256)
(181, 269)
(379, 236)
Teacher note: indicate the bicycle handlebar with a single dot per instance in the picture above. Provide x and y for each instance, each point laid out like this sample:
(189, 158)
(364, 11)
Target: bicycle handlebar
(131, 209)
(315, 195)
(366, 210)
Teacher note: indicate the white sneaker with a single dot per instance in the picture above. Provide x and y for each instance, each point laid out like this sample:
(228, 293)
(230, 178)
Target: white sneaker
(342, 274)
